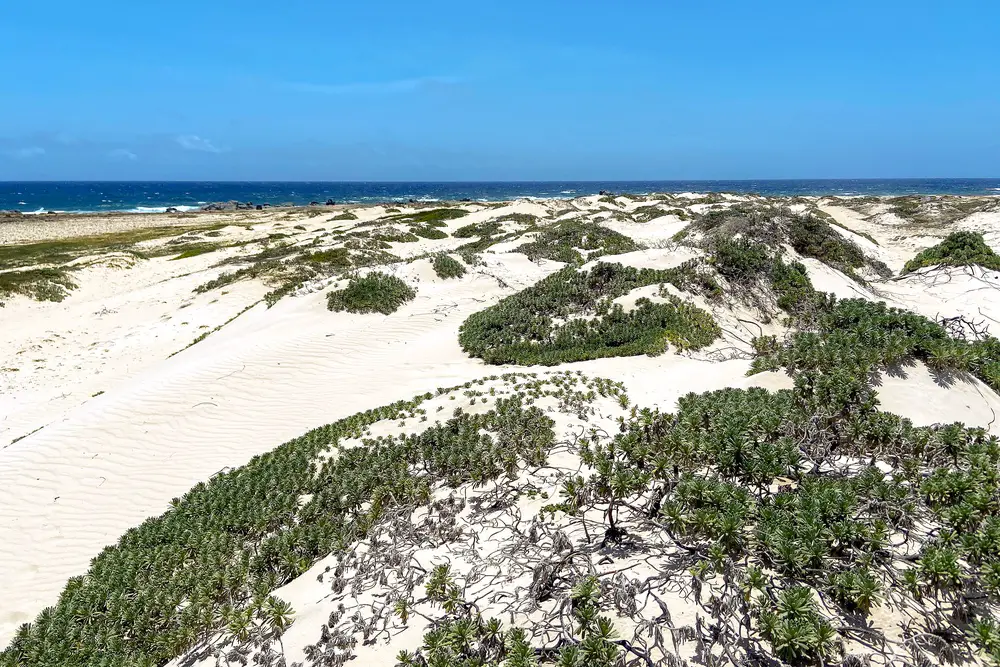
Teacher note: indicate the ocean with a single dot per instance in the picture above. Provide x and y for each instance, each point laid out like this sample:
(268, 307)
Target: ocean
(92, 196)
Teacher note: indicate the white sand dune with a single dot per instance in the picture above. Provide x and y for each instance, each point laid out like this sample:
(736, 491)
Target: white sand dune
(125, 428)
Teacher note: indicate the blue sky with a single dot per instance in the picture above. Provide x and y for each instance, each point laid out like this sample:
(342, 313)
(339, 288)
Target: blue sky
(511, 90)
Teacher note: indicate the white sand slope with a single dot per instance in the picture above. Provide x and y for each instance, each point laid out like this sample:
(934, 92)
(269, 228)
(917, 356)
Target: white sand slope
(75, 486)
(127, 428)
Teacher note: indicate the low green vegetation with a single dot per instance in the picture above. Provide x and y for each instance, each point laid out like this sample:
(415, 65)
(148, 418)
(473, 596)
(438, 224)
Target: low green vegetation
(832, 221)
(464, 637)
(809, 234)
(39, 284)
(647, 213)
(428, 232)
(446, 266)
(211, 561)
(930, 211)
(570, 316)
(479, 229)
(346, 215)
(43, 270)
(374, 293)
(958, 249)
(859, 337)
(195, 249)
(437, 217)
(563, 242)
(761, 277)
(788, 526)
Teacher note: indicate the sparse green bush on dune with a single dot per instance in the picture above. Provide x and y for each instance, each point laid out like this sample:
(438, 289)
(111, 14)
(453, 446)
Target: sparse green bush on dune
(478, 229)
(210, 562)
(428, 232)
(770, 513)
(38, 284)
(958, 249)
(808, 233)
(437, 217)
(446, 266)
(563, 241)
(569, 316)
(374, 293)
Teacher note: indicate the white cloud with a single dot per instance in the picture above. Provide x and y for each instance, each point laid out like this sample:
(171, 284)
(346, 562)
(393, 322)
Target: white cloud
(192, 142)
(375, 88)
(123, 154)
(26, 153)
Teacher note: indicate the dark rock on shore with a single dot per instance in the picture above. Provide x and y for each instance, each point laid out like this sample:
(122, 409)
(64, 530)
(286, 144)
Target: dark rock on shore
(330, 202)
(228, 206)
(171, 209)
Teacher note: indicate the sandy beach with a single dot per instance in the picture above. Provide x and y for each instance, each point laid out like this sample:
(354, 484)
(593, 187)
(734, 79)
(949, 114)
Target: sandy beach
(147, 378)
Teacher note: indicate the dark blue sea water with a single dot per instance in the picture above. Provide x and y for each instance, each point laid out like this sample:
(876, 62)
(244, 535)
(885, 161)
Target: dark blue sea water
(31, 197)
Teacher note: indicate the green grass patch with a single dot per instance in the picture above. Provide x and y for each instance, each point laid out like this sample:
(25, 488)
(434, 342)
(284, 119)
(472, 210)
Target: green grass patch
(958, 249)
(196, 249)
(375, 293)
(63, 251)
(335, 257)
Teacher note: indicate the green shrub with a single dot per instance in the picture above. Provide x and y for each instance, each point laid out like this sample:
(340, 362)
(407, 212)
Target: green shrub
(436, 217)
(795, 629)
(346, 215)
(427, 232)
(395, 236)
(195, 249)
(38, 284)
(210, 562)
(562, 242)
(958, 249)
(741, 261)
(338, 257)
(374, 293)
(478, 229)
(813, 237)
(543, 324)
(447, 267)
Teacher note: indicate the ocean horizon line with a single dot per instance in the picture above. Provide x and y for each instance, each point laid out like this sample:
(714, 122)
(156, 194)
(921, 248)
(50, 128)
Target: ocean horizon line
(157, 196)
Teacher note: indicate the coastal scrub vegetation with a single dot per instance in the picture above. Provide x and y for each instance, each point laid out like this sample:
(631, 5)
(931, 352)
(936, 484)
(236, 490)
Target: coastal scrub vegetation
(43, 270)
(446, 266)
(480, 229)
(437, 217)
(570, 316)
(860, 337)
(809, 234)
(210, 562)
(563, 242)
(775, 502)
(647, 213)
(958, 249)
(45, 284)
(374, 293)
